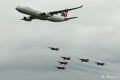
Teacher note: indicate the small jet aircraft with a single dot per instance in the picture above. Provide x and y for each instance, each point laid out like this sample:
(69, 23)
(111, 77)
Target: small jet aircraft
(60, 67)
(66, 58)
(57, 49)
(50, 16)
(84, 60)
(65, 63)
(98, 63)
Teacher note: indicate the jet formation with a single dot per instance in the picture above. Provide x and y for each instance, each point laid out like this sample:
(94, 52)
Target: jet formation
(69, 58)
(51, 16)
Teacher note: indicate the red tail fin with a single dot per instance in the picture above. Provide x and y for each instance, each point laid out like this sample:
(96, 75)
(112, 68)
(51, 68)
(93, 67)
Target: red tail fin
(64, 14)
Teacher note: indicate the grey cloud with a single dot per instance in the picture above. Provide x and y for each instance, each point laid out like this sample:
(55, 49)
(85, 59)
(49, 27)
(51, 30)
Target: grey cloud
(24, 45)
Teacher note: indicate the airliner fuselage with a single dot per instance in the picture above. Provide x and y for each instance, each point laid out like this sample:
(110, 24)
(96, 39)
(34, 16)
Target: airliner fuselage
(50, 16)
(34, 13)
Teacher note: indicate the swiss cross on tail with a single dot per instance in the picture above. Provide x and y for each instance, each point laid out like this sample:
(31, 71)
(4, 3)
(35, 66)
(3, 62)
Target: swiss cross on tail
(64, 14)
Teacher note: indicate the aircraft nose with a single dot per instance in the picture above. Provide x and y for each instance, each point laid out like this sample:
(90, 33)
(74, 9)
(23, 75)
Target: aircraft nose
(17, 7)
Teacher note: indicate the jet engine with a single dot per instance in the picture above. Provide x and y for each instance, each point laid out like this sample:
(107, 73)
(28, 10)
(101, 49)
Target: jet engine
(26, 18)
(45, 14)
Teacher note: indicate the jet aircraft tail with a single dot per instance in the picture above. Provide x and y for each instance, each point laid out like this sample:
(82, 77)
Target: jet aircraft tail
(64, 14)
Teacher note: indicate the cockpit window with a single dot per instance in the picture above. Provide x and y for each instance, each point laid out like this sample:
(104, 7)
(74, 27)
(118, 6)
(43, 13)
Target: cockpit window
(28, 7)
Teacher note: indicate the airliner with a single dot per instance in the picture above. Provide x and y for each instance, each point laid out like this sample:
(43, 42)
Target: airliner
(50, 16)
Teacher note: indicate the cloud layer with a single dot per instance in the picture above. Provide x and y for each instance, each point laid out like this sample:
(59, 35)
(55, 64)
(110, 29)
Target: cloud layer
(24, 52)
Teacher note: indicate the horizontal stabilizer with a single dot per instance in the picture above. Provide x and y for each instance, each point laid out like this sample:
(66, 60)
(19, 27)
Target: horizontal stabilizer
(70, 18)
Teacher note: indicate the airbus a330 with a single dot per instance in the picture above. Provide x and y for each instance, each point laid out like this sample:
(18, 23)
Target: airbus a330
(50, 16)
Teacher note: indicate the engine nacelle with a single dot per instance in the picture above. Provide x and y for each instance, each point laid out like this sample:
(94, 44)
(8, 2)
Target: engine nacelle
(45, 14)
(26, 18)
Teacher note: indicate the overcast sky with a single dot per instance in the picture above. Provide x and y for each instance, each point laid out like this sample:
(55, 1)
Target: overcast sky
(24, 52)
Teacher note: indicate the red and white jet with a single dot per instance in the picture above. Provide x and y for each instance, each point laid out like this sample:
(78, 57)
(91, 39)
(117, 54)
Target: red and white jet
(57, 49)
(84, 60)
(65, 63)
(98, 63)
(66, 58)
(59, 67)
(50, 16)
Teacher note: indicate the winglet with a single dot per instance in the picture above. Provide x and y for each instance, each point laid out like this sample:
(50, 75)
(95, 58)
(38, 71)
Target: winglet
(81, 6)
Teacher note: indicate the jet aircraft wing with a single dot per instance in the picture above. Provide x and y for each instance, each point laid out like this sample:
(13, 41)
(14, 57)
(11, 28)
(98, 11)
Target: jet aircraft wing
(31, 17)
(56, 12)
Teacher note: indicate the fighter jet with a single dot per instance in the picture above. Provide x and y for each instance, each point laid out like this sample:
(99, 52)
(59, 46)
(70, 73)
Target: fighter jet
(59, 67)
(65, 63)
(66, 58)
(57, 49)
(98, 63)
(84, 60)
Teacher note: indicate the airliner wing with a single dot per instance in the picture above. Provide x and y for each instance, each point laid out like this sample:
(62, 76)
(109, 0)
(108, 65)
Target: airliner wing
(31, 17)
(56, 12)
